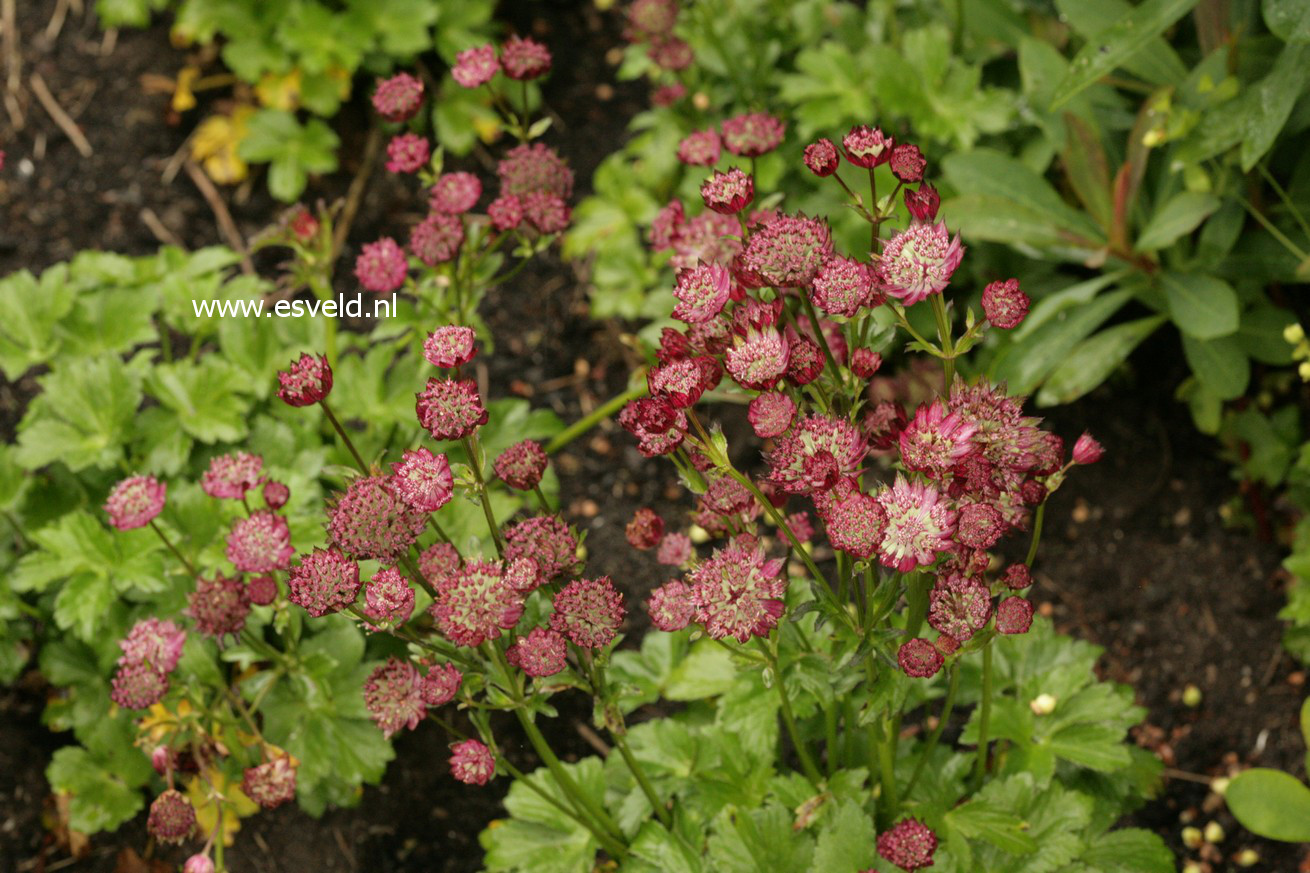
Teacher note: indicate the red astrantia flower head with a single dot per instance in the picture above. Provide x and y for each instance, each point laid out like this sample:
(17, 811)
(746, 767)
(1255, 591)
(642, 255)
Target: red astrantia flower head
(588, 612)
(472, 763)
(276, 494)
(475, 66)
(821, 158)
(867, 146)
(918, 262)
(304, 226)
(219, 606)
(907, 163)
(883, 424)
(262, 590)
(440, 684)
(909, 845)
(454, 193)
(771, 414)
(737, 592)
(856, 524)
(709, 237)
(681, 381)
(923, 203)
(1017, 577)
(1004, 304)
(537, 167)
(806, 361)
(172, 817)
(959, 607)
(229, 477)
(397, 99)
(842, 286)
(381, 266)
(979, 526)
(818, 442)
(700, 149)
(670, 607)
(135, 502)
(919, 658)
(674, 550)
(758, 359)
(407, 153)
(649, 18)
(153, 641)
(1014, 615)
(1087, 450)
(475, 604)
(324, 581)
(919, 525)
(728, 192)
(645, 529)
(272, 783)
(450, 410)
(505, 212)
(543, 652)
(523, 575)
(260, 543)
(657, 424)
(450, 346)
(372, 520)
(789, 251)
(752, 134)
(523, 58)
(667, 95)
(438, 561)
(138, 686)
(667, 226)
(393, 697)
(546, 212)
(865, 363)
(423, 480)
(436, 239)
(702, 292)
(934, 442)
(307, 381)
(522, 465)
(388, 600)
(671, 53)
(198, 863)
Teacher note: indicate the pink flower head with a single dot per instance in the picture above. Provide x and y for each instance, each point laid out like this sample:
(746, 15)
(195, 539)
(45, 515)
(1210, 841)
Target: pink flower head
(436, 239)
(372, 520)
(821, 158)
(657, 424)
(842, 286)
(304, 226)
(979, 526)
(789, 251)
(856, 524)
(737, 592)
(667, 95)
(648, 18)
(674, 550)
(454, 193)
(260, 543)
(682, 381)
(546, 211)
(537, 167)
(1014, 615)
(1004, 304)
(700, 149)
(702, 292)
(475, 66)
(505, 212)
(588, 612)
(667, 225)
(272, 783)
(397, 99)
(153, 641)
(524, 58)
(262, 590)
(381, 266)
(883, 424)
(440, 684)
(542, 652)
(934, 442)
(438, 561)
(472, 763)
(172, 817)
(919, 525)
(450, 346)
(138, 685)
(727, 497)
(759, 359)
(307, 381)
(671, 53)
(919, 658)
(922, 203)
(475, 604)
(407, 153)
(865, 363)
(135, 502)
(771, 414)
(276, 494)
(388, 599)
(806, 361)
(1017, 577)
(752, 134)
(1087, 450)
(728, 192)
(960, 607)
(867, 146)
(817, 453)
(907, 163)
(670, 607)
(324, 581)
(522, 465)
(919, 261)
(198, 863)
(393, 697)
(219, 606)
(450, 410)
(801, 526)
(709, 237)
(909, 845)
(523, 575)
(229, 477)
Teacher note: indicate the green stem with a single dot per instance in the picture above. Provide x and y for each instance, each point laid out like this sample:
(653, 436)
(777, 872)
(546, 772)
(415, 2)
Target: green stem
(944, 336)
(181, 557)
(788, 719)
(474, 450)
(611, 845)
(436, 526)
(936, 734)
(984, 715)
(873, 210)
(661, 811)
(541, 498)
(830, 738)
(414, 571)
(595, 417)
(562, 778)
(1037, 534)
(341, 431)
(823, 339)
(889, 804)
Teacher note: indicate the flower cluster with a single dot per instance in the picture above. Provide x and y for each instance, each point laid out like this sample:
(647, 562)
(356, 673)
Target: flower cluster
(150, 653)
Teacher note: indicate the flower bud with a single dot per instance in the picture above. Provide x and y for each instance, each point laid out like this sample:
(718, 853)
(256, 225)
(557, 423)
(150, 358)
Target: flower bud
(1042, 704)
(1087, 450)
(198, 864)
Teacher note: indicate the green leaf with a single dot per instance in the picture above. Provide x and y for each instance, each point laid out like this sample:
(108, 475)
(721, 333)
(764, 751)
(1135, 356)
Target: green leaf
(205, 397)
(1090, 362)
(1062, 320)
(1129, 850)
(1203, 306)
(1266, 107)
(1119, 42)
(1289, 20)
(707, 671)
(1271, 803)
(1182, 214)
(846, 841)
(29, 313)
(1157, 62)
(82, 417)
(538, 836)
(996, 177)
(981, 819)
(100, 800)
(293, 150)
(664, 851)
(1220, 365)
(1092, 745)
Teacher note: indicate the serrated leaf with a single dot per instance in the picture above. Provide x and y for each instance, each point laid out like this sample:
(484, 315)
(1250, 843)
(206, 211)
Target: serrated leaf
(207, 397)
(100, 800)
(846, 841)
(1092, 745)
(29, 314)
(82, 416)
(980, 819)
(1129, 850)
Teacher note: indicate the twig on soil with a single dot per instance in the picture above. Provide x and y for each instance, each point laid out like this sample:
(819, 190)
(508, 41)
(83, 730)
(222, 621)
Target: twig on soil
(56, 25)
(1273, 666)
(174, 165)
(226, 225)
(592, 738)
(109, 43)
(345, 848)
(14, 77)
(355, 194)
(1171, 773)
(61, 118)
(159, 229)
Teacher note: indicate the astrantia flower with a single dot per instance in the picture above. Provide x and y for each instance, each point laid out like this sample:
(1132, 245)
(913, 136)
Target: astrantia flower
(275, 494)
(667, 95)
(883, 424)
(545, 539)
(272, 783)
(867, 146)
(737, 592)
(909, 845)
(923, 203)
(770, 414)
(219, 606)
(475, 604)
(789, 251)
(260, 543)
(440, 684)
(371, 520)
(1086, 450)
(541, 653)
(523, 575)
(726, 497)
(1005, 304)
(407, 153)
(907, 163)
(842, 286)
(438, 561)
(135, 502)
(821, 158)
(505, 212)
(919, 658)
(523, 58)
(805, 363)
(752, 134)
(674, 550)
(666, 225)
(681, 381)
(709, 237)
(454, 193)
(546, 212)
(307, 381)
(856, 524)
(435, 240)
(865, 363)
(153, 641)
(172, 817)
(397, 99)
(423, 480)
(919, 261)
(801, 526)
(670, 606)
(393, 698)
(472, 763)
(759, 359)
(671, 53)
(527, 168)
(450, 346)
(231, 476)
(979, 526)
(700, 149)
(381, 266)
(522, 465)
(656, 423)
(324, 581)
(702, 292)
(588, 612)
(262, 590)
(1014, 615)
(959, 607)
(647, 18)
(728, 192)
(919, 525)
(934, 442)
(304, 225)
(475, 66)
(388, 599)
(198, 863)
(817, 443)
(138, 685)
(1017, 577)
(450, 410)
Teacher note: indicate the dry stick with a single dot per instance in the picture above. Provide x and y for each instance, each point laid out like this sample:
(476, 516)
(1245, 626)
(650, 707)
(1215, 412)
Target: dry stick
(226, 225)
(159, 229)
(61, 118)
(14, 78)
(355, 194)
(56, 24)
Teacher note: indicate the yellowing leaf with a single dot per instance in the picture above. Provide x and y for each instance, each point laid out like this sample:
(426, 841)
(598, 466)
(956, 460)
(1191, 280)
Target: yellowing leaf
(160, 721)
(488, 129)
(215, 144)
(279, 92)
(183, 97)
(224, 795)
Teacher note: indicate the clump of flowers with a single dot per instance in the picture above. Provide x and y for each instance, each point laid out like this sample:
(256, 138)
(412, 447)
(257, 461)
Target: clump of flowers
(135, 502)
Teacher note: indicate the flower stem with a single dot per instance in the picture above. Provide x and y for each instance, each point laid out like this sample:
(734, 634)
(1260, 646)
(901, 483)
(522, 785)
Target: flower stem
(541, 498)
(788, 719)
(890, 800)
(341, 431)
(597, 415)
(1037, 534)
(936, 734)
(562, 778)
(639, 772)
(984, 715)
(414, 571)
(944, 335)
(178, 554)
(474, 450)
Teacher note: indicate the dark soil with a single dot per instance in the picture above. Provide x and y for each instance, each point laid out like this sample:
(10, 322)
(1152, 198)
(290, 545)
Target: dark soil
(1136, 556)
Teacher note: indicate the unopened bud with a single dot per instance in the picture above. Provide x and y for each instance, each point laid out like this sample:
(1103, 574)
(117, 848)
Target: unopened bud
(1087, 450)
(198, 864)
(1042, 704)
